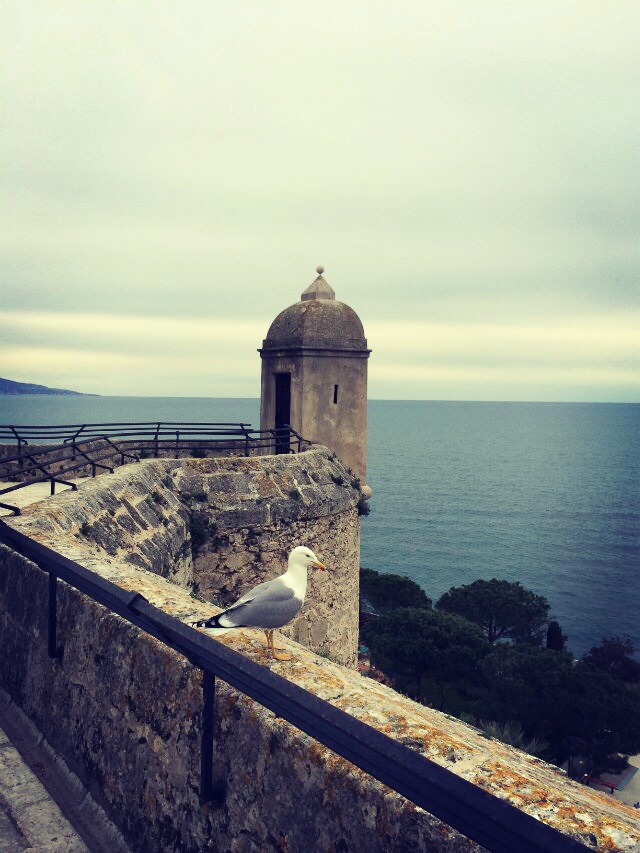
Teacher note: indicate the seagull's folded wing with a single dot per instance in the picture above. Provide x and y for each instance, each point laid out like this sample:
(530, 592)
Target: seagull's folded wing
(273, 590)
(268, 605)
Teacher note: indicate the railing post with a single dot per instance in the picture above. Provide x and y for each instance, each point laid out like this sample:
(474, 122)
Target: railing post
(209, 791)
(55, 651)
(20, 441)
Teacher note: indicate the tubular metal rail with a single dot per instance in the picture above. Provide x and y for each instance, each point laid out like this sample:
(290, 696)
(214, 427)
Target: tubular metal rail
(482, 817)
(72, 447)
(158, 432)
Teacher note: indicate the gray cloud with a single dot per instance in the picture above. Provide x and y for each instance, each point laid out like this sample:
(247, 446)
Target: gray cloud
(447, 163)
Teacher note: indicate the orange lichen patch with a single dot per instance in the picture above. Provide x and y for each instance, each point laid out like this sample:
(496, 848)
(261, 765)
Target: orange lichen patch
(631, 810)
(319, 678)
(443, 742)
(40, 537)
(346, 704)
(317, 752)
(192, 464)
(242, 641)
(433, 741)
(265, 486)
(283, 479)
(56, 514)
(582, 813)
(498, 778)
(125, 584)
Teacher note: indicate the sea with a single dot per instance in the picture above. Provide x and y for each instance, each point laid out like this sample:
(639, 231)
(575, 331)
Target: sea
(547, 494)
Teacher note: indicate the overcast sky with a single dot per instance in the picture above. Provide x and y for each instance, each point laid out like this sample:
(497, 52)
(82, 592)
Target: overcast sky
(468, 173)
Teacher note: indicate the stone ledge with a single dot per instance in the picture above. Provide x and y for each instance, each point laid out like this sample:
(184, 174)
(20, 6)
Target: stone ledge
(530, 784)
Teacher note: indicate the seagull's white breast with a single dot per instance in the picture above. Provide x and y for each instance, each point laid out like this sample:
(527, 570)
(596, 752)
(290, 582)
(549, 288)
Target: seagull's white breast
(296, 581)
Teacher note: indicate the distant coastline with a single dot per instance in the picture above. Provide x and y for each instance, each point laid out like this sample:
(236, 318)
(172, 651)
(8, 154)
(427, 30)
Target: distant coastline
(8, 386)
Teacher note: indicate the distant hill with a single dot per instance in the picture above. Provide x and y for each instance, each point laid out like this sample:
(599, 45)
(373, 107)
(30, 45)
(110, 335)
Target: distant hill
(7, 386)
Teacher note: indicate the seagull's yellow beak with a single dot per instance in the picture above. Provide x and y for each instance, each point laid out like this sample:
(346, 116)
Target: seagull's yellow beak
(320, 566)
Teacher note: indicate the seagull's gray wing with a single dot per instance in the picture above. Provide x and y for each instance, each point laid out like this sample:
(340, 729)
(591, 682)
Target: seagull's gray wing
(269, 605)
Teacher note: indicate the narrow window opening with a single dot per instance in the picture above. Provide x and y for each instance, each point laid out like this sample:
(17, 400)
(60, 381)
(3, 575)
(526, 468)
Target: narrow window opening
(335, 393)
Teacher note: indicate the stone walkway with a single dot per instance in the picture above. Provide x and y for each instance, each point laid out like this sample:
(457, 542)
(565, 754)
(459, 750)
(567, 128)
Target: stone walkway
(43, 807)
(29, 817)
(32, 494)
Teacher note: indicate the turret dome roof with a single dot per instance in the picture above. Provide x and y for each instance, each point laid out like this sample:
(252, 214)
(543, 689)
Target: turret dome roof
(317, 321)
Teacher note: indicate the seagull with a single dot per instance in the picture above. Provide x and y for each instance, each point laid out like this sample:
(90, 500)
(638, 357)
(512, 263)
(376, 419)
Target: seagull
(271, 604)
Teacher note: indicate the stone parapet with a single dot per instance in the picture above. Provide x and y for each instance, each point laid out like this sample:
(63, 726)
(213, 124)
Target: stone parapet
(124, 711)
(219, 526)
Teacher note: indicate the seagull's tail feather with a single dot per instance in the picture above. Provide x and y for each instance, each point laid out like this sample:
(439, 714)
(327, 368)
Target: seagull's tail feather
(212, 624)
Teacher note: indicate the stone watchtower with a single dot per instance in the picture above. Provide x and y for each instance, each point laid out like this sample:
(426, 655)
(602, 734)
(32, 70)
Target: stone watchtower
(314, 374)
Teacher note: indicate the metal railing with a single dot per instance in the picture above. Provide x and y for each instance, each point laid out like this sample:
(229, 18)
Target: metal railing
(69, 448)
(157, 432)
(482, 817)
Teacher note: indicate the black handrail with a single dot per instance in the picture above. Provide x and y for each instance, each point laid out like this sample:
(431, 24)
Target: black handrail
(34, 464)
(41, 433)
(482, 817)
(153, 432)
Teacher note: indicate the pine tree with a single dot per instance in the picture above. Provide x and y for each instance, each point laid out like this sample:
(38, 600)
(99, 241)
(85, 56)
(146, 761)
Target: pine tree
(555, 637)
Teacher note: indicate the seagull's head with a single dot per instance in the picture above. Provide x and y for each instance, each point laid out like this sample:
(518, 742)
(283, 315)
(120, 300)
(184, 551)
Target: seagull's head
(303, 556)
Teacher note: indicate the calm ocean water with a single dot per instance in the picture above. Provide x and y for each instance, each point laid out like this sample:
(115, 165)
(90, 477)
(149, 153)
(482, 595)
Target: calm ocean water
(546, 494)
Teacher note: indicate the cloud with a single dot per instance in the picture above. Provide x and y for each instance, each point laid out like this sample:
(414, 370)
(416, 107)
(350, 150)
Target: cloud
(452, 164)
(125, 355)
(586, 358)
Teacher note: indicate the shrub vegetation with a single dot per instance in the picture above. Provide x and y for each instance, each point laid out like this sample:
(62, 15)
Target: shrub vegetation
(480, 655)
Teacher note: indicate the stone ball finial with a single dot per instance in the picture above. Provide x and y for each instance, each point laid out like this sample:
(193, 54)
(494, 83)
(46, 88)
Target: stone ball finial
(319, 269)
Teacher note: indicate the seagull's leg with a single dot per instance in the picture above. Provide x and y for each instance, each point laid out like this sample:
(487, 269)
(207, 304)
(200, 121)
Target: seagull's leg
(269, 636)
(271, 648)
(279, 655)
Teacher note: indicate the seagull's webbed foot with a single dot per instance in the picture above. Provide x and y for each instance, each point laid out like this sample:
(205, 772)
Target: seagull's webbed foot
(271, 649)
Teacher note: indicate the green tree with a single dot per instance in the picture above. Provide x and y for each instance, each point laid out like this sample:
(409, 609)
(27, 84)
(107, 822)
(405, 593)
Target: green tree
(615, 656)
(502, 609)
(387, 591)
(554, 698)
(424, 650)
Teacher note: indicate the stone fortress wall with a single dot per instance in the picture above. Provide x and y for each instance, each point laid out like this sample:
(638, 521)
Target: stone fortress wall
(219, 526)
(56, 458)
(124, 711)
